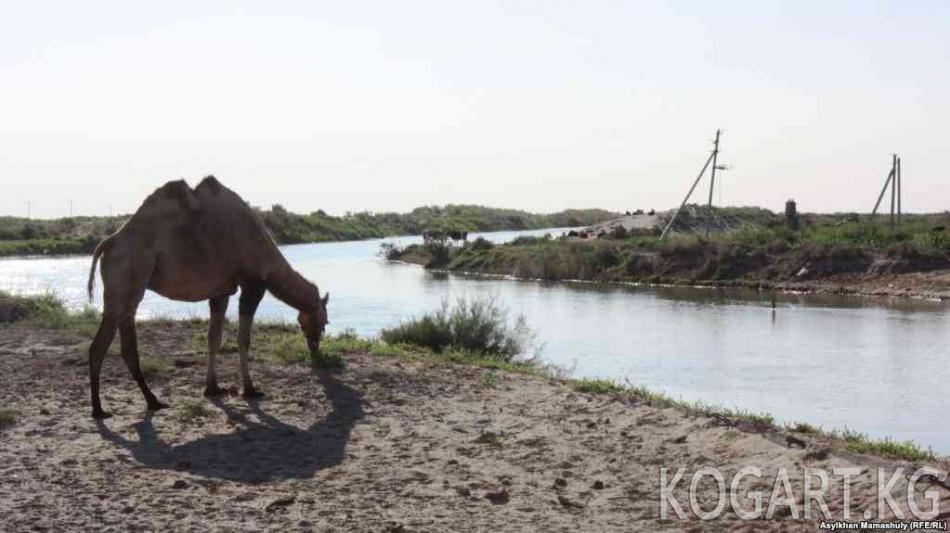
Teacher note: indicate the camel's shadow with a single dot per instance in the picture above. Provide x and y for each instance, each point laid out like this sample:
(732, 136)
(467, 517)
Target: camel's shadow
(258, 451)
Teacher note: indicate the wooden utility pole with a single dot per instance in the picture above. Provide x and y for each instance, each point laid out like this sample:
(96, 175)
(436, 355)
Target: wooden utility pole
(898, 191)
(893, 182)
(711, 159)
(893, 189)
(712, 182)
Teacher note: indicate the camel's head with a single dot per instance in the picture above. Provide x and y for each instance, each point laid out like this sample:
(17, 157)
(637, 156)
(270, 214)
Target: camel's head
(313, 323)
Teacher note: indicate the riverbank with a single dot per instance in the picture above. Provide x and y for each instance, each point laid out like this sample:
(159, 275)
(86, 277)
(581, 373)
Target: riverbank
(399, 439)
(80, 235)
(897, 271)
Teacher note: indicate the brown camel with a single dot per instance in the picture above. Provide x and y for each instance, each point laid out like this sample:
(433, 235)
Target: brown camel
(193, 245)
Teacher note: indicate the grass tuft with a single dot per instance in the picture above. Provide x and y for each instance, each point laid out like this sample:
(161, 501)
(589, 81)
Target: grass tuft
(596, 386)
(383, 349)
(192, 411)
(154, 366)
(860, 443)
(7, 418)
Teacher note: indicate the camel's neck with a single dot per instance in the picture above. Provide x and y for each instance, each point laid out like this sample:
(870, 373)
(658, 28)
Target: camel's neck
(293, 289)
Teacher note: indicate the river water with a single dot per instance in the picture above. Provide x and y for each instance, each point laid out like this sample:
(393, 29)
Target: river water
(878, 366)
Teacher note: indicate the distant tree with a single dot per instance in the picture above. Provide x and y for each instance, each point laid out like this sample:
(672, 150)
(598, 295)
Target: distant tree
(28, 232)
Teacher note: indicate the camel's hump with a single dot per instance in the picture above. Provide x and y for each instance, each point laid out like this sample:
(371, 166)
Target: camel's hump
(211, 184)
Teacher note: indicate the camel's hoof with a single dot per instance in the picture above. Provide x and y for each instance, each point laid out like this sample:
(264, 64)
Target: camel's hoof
(214, 392)
(100, 414)
(252, 394)
(157, 406)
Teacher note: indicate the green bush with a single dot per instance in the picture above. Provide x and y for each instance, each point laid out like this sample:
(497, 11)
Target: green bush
(478, 326)
(46, 308)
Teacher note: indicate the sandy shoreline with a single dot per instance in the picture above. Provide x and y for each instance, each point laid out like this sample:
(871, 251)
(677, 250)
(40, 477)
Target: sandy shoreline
(389, 443)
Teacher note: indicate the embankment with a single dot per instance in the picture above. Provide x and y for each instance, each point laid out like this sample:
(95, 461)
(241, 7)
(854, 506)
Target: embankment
(898, 270)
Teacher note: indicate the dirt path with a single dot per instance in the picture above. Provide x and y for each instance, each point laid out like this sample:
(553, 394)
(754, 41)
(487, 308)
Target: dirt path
(388, 444)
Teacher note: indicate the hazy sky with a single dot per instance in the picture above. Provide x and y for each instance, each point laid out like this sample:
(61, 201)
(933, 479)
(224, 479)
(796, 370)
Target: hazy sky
(349, 106)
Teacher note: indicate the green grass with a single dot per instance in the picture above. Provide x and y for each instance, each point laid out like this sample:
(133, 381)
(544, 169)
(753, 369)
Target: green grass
(596, 386)
(154, 366)
(384, 349)
(803, 427)
(48, 310)
(860, 443)
(289, 346)
(7, 418)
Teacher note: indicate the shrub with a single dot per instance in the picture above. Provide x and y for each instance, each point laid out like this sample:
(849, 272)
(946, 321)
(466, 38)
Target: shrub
(478, 326)
(439, 254)
(390, 251)
(482, 244)
(46, 308)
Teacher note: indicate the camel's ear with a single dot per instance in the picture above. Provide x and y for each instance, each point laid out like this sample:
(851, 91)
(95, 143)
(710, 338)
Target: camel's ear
(326, 299)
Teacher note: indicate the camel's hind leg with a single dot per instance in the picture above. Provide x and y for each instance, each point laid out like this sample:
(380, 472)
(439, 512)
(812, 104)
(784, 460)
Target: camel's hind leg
(130, 354)
(123, 283)
(97, 352)
(219, 306)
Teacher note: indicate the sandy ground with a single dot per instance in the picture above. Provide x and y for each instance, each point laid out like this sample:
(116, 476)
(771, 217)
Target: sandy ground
(628, 222)
(388, 444)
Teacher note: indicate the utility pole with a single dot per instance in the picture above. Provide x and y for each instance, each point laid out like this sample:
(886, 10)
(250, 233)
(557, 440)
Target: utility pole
(711, 159)
(712, 182)
(70, 208)
(27, 209)
(893, 189)
(898, 191)
(893, 182)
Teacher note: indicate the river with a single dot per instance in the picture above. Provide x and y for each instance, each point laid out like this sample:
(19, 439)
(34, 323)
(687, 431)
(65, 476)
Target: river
(878, 366)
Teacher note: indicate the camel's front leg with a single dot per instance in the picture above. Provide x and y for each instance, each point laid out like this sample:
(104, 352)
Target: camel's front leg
(219, 306)
(251, 294)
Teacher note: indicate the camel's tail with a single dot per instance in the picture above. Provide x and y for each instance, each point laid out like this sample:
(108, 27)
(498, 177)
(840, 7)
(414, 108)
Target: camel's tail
(100, 249)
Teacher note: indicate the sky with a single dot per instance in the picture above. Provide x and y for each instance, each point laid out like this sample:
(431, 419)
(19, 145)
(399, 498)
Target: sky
(544, 105)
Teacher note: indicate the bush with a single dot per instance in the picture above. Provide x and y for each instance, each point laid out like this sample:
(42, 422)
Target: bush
(390, 251)
(46, 308)
(439, 254)
(482, 244)
(478, 326)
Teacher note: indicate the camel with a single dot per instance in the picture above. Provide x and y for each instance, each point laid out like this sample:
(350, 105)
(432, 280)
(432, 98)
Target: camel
(194, 245)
